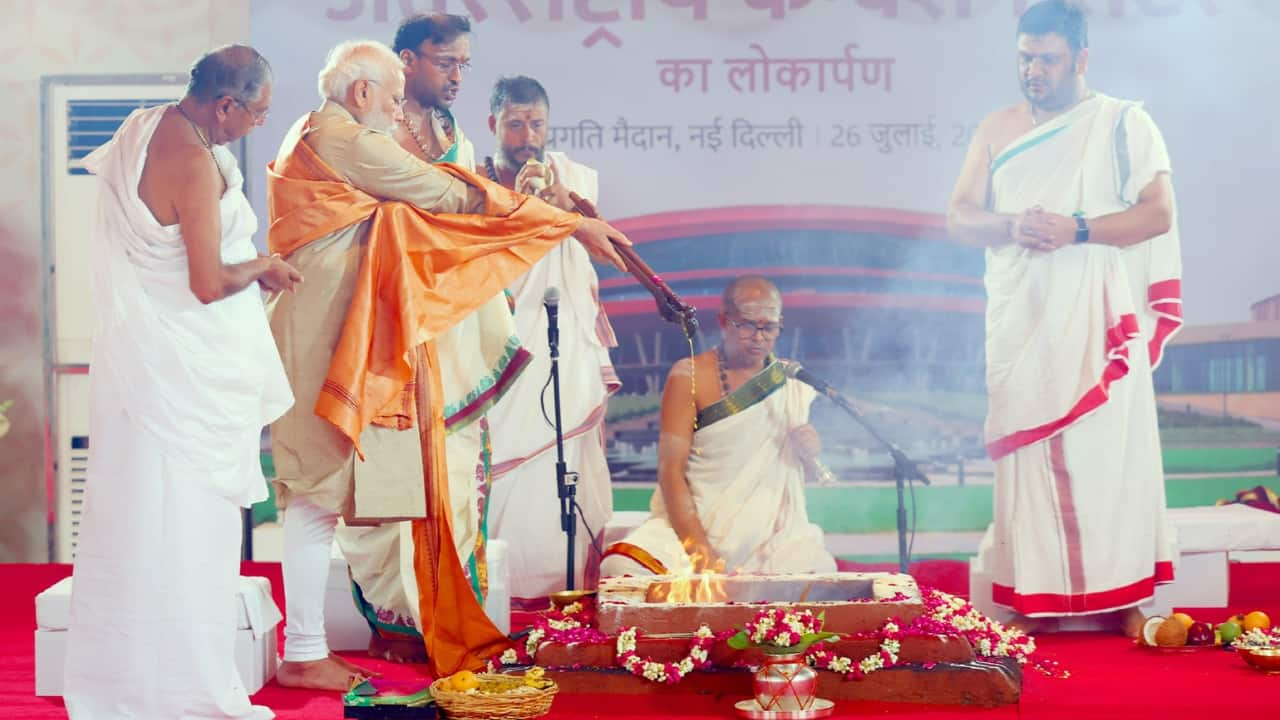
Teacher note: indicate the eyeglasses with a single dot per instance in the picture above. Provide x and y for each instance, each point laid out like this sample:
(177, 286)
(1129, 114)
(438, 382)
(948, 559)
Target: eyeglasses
(446, 64)
(258, 115)
(746, 329)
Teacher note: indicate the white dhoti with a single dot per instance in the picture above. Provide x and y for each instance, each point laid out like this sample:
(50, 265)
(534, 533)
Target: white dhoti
(179, 394)
(748, 487)
(1072, 337)
(381, 556)
(525, 505)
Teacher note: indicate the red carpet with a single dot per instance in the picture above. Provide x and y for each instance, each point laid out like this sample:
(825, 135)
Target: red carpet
(1110, 678)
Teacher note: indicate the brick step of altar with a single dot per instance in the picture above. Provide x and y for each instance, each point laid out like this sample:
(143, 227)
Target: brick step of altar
(975, 683)
(914, 649)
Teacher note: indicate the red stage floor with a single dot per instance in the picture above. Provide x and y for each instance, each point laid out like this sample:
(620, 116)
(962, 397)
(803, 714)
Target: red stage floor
(1110, 677)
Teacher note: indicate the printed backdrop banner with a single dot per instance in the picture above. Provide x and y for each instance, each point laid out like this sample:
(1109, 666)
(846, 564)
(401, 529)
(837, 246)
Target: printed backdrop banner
(691, 104)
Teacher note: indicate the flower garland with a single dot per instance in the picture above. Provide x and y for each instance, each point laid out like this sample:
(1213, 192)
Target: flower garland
(944, 615)
(573, 625)
(570, 625)
(1257, 639)
(778, 627)
(666, 672)
(885, 657)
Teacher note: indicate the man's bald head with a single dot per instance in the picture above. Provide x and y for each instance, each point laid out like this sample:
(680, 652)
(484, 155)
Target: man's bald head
(749, 292)
(750, 320)
(235, 71)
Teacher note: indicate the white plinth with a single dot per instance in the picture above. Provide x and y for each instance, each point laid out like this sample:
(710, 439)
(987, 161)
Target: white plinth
(1207, 539)
(255, 651)
(620, 525)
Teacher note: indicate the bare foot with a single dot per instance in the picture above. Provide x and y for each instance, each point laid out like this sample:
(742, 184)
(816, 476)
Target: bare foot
(398, 650)
(326, 674)
(1030, 625)
(1131, 621)
(352, 667)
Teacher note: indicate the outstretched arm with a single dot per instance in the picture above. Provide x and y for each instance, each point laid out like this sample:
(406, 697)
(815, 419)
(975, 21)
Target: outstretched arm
(377, 164)
(674, 444)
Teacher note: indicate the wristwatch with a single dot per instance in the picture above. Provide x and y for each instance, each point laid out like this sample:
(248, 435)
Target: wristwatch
(1082, 228)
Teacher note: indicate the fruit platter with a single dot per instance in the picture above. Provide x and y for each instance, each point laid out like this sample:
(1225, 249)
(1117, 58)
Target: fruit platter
(491, 695)
(1182, 633)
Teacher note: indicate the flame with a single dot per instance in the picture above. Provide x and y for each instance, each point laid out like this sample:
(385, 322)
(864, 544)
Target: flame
(686, 586)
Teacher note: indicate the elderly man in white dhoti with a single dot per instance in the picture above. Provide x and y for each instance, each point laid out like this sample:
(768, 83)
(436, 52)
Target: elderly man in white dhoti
(1070, 194)
(524, 508)
(734, 450)
(183, 377)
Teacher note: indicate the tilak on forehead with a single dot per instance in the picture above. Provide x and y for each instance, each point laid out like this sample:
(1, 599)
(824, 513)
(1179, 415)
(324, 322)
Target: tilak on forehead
(762, 306)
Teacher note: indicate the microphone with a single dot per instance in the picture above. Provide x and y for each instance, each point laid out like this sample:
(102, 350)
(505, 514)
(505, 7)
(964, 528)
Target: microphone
(551, 301)
(902, 463)
(795, 370)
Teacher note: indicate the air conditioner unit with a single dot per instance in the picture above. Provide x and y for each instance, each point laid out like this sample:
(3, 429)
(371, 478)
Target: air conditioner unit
(72, 456)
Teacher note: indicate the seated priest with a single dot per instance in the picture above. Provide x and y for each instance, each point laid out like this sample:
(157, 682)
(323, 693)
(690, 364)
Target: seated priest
(734, 449)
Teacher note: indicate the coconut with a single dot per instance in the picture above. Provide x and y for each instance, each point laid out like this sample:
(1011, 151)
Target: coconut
(537, 182)
(1149, 627)
(1171, 633)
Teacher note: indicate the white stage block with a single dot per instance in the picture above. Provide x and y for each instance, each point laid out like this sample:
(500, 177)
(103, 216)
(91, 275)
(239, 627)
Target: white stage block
(621, 525)
(1207, 539)
(344, 627)
(255, 651)
(497, 604)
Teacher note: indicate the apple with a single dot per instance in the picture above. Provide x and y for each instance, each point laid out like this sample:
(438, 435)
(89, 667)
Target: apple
(1200, 634)
(1229, 631)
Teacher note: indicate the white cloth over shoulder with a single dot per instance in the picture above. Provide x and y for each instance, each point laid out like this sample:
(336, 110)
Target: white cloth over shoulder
(199, 381)
(748, 487)
(1059, 324)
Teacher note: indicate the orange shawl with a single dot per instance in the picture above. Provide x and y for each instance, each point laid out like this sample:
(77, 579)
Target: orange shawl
(422, 273)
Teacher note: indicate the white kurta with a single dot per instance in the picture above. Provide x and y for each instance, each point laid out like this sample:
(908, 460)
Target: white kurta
(747, 484)
(1072, 337)
(524, 507)
(180, 392)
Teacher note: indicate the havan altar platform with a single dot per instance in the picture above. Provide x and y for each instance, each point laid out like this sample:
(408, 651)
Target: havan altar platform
(932, 647)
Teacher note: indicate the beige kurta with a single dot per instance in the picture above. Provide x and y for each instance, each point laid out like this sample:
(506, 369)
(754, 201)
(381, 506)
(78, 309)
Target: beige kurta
(311, 456)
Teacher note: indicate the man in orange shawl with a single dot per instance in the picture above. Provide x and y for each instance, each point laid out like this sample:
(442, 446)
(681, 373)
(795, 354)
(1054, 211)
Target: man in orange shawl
(395, 251)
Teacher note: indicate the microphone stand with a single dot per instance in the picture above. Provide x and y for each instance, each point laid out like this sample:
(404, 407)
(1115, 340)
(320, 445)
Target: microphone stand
(566, 482)
(904, 468)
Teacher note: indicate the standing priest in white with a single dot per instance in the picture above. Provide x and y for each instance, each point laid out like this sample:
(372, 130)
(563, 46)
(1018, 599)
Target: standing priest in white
(183, 377)
(525, 508)
(1070, 194)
